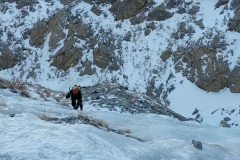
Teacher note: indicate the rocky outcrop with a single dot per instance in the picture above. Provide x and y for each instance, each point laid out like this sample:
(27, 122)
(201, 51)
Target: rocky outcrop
(182, 6)
(56, 24)
(221, 2)
(67, 56)
(88, 68)
(235, 4)
(234, 23)
(7, 58)
(173, 3)
(53, 26)
(204, 69)
(79, 29)
(37, 34)
(96, 11)
(127, 8)
(165, 55)
(21, 4)
(183, 30)
(103, 58)
(100, 1)
(159, 14)
(124, 99)
(233, 80)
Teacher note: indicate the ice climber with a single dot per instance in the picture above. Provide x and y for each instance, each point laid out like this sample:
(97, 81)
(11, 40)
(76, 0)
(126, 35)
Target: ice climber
(76, 97)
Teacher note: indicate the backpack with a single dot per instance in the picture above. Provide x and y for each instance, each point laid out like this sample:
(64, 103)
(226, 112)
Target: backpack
(76, 89)
(77, 86)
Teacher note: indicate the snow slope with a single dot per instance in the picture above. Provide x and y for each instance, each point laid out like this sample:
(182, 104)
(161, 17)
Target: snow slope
(26, 136)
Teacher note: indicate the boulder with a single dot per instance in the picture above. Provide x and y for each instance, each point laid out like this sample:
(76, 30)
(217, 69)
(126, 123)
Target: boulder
(224, 123)
(197, 144)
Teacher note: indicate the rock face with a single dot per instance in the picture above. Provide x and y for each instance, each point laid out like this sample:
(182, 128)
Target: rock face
(37, 35)
(67, 56)
(165, 55)
(127, 8)
(76, 40)
(159, 14)
(221, 2)
(21, 4)
(234, 23)
(7, 59)
(203, 67)
(234, 80)
(103, 58)
(235, 4)
(213, 77)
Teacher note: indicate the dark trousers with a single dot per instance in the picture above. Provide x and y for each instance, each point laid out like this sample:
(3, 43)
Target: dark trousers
(74, 104)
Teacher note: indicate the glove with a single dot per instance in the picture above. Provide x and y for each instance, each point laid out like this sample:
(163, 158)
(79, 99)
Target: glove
(68, 95)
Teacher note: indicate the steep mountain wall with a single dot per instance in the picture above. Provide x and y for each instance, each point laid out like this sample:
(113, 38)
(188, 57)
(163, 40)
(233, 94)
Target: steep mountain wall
(141, 44)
